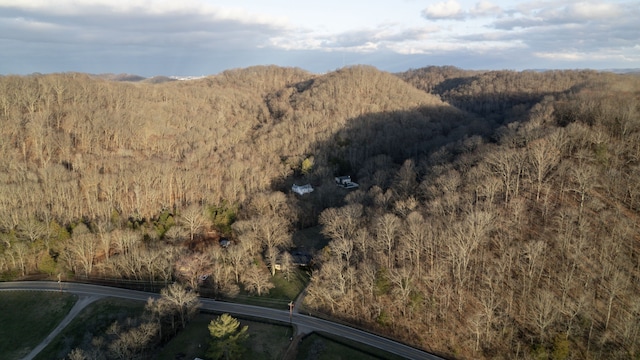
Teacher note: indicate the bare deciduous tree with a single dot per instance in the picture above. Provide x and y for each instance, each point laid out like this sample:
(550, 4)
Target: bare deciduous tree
(33, 229)
(193, 219)
(239, 257)
(81, 251)
(341, 223)
(414, 235)
(388, 227)
(272, 257)
(256, 280)
(543, 156)
(614, 286)
(183, 302)
(544, 312)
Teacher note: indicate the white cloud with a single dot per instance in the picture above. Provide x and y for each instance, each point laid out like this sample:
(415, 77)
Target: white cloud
(452, 46)
(206, 34)
(140, 8)
(555, 13)
(388, 36)
(485, 8)
(589, 10)
(449, 9)
(452, 10)
(137, 22)
(563, 56)
(579, 32)
(619, 55)
(28, 24)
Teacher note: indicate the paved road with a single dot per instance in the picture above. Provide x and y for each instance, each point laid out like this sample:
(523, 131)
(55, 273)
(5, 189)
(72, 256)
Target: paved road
(307, 323)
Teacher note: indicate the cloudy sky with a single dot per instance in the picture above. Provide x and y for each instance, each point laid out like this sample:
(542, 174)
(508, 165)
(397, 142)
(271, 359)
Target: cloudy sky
(200, 37)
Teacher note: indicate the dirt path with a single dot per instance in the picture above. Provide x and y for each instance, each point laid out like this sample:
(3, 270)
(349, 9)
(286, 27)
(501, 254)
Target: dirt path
(82, 302)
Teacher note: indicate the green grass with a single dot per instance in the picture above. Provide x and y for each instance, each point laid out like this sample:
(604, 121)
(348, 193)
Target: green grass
(285, 290)
(92, 321)
(191, 341)
(27, 317)
(288, 289)
(261, 301)
(324, 347)
(266, 341)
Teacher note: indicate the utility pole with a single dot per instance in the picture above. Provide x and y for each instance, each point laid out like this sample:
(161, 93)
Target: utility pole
(291, 305)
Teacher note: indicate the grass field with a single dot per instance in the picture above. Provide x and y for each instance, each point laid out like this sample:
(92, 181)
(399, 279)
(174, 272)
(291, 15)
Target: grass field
(323, 347)
(27, 317)
(266, 341)
(92, 321)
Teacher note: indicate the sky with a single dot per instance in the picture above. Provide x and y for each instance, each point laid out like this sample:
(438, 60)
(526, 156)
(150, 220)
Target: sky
(204, 37)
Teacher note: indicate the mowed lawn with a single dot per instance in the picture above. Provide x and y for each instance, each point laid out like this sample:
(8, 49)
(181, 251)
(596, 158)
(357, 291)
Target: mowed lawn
(93, 320)
(266, 341)
(323, 347)
(27, 317)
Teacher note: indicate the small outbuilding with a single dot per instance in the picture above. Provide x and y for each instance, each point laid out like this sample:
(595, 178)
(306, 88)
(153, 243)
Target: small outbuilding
(345, 182)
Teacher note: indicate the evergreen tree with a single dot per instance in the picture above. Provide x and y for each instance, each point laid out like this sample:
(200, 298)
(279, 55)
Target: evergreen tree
(227, 338)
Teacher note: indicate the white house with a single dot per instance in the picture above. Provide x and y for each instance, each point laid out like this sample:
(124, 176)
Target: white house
(302, 189)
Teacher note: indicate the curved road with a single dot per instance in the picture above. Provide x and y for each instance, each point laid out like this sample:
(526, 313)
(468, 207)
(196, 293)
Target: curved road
(304, 323)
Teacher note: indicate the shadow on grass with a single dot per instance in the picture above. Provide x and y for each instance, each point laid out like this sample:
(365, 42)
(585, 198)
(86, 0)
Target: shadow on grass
(323, 346)
(27, 317)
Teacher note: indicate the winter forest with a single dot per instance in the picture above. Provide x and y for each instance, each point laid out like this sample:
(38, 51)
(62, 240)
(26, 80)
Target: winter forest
(497, 213)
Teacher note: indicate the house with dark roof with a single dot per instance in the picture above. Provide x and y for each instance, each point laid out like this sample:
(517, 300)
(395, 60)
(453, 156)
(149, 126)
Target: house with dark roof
(345, 182)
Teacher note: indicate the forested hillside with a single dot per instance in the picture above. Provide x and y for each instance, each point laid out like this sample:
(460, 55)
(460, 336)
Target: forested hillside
(497, 213)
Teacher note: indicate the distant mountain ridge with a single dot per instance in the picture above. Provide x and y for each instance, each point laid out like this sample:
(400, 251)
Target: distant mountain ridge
(154, 79)
(165, 78)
